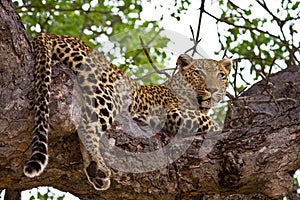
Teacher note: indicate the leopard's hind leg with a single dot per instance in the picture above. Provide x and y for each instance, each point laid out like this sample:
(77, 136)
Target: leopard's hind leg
(96, 118)
(96, 171)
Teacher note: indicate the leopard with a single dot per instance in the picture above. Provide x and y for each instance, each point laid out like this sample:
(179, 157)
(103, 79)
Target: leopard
(181, 102)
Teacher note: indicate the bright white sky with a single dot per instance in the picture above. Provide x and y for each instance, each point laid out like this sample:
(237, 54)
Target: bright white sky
(208, 31)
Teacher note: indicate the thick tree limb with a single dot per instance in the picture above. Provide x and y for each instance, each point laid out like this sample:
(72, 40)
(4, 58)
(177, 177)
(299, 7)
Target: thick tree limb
(253, 158)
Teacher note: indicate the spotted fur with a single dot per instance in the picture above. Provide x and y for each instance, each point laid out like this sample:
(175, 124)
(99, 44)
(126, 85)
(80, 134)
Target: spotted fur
(181, 102)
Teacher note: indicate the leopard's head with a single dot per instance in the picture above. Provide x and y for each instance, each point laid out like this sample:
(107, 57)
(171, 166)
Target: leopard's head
(207, 77)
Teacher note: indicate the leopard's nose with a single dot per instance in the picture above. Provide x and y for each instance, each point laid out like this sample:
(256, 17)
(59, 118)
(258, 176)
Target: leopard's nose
(212, 90)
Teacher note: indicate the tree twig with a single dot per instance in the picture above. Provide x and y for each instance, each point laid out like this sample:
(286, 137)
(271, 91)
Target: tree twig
(234, 81)
(268, 76)
(141, 77)
(196, 40)
(150, 59)
(148, 43)
(241, 26)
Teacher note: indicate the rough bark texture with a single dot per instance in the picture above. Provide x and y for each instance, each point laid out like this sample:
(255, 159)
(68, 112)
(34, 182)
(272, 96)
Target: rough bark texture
(252, 159)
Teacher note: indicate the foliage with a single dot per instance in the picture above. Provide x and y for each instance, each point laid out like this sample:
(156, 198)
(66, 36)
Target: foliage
(262, 39)
(48, 194)
(176, 8)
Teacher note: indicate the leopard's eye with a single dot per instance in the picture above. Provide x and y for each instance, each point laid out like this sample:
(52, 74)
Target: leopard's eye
(222, 75)
(201, 73)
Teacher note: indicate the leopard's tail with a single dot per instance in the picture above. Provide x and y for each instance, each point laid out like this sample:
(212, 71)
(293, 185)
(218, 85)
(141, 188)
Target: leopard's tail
(39, 157)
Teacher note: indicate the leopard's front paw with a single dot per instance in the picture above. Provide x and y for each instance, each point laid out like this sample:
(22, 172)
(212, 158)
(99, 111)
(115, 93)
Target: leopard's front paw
(98, 175)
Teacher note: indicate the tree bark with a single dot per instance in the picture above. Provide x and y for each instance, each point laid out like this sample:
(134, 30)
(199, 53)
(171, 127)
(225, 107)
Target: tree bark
(253, 158)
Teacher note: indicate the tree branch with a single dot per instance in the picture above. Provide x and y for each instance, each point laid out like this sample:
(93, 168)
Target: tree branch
(242, 27)
(196, 39)
(151, 61)
(12, 194)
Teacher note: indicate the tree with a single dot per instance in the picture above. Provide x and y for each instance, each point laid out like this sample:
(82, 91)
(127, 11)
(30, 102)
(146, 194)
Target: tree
(252, 158)
(268, 41)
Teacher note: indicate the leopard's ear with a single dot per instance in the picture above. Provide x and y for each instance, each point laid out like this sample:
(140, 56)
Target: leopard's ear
(227, 64)
(184, 60)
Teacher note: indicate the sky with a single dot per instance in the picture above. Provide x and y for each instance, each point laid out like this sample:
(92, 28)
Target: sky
(208, 33)
(153, 11)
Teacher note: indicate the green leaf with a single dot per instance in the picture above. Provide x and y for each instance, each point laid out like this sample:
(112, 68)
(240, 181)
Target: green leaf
(248, 12)
(296, 5)
(61, 197)
(255, 22)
